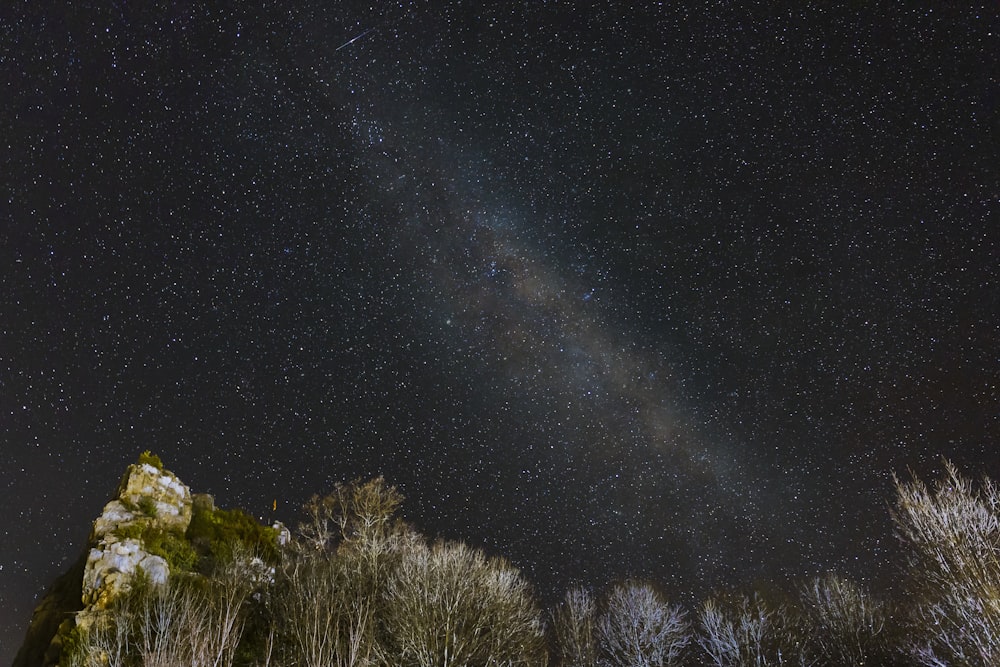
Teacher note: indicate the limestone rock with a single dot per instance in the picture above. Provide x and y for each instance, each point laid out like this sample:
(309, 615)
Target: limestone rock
(146, 491)
(111, 566)
(147, 519)
(147, 498)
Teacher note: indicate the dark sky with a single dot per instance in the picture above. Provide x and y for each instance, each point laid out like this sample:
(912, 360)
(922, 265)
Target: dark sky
(666, 292)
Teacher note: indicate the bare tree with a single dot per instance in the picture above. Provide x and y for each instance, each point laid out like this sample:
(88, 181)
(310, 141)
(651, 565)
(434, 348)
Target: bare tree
(639, 629)
(953, 535)
(306, 606)
(574, 625)
(191, 620)
(267, 649)
(167, 617)
(104, 640)
(843, 625)
(111, 637)
(370, 507)
(354, 512)
(745, 632)
(450, 606)
(330, 585)
(220, 608)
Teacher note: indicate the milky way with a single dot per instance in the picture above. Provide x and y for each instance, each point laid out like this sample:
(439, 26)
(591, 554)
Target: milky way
(538, 335)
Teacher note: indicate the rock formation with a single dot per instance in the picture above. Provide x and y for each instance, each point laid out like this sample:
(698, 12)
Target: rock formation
(148, 499)
(150, 502)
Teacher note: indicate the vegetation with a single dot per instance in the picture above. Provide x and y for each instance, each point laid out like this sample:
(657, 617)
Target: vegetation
(152, 459)
(356, 587)
(215, 532)
(192, 621)
(448, 605)
(639, 628)
(745, 631)
(953, 534)
(147, 506)
(841, 624)
(574, 627)
(171, 546)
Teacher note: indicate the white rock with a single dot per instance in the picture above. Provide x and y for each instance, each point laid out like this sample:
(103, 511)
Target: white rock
(156, 568)
(115, 514)
(114, 560)
(149, 469)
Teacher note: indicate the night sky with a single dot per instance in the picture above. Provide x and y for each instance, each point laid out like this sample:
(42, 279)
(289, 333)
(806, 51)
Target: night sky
(667, 292)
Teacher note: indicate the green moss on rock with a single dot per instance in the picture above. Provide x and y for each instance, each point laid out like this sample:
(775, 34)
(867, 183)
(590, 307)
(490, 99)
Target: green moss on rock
(215, 532)
(152, 459)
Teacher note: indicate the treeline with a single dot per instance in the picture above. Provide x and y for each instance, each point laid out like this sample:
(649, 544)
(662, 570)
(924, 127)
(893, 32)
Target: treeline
(355, 587)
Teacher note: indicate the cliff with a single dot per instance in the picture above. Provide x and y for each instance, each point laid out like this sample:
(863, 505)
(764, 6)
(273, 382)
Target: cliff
(150, 501)
(152, 526)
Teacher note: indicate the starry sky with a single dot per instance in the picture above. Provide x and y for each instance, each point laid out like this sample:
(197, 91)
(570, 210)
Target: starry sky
(665, 292)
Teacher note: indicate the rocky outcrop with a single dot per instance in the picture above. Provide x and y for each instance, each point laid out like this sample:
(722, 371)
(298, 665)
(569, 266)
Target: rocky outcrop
(152, 530)
(149, 501)
(146, 492)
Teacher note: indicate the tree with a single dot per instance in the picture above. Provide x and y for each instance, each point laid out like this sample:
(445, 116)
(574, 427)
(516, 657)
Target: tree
(746, 632)
(191, 620)
(353, 512)
(102, 642)
(306, 607)
(952, 532)
(843, 626)
(221, 607)
(639, 629)
(330, 585)
(451, 606)
(574, 625)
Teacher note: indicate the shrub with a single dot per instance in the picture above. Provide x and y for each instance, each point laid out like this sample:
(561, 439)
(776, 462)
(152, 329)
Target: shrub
(152, 459)
(76, 648)
(147, 506)
(216, 532)
(129, 505)
(171, 546)
(130, 531)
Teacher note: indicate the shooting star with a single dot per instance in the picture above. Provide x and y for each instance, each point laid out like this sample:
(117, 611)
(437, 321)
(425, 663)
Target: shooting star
(354, 39)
